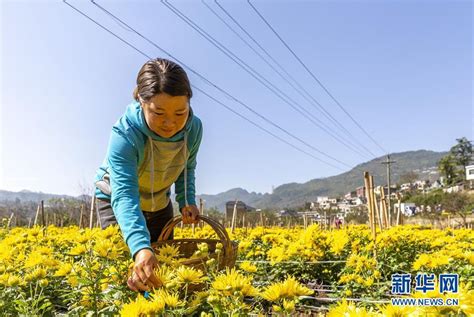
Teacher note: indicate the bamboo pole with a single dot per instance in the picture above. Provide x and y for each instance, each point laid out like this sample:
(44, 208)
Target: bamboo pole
(374, 204)
(377, 211)
(81, 216)
(234, 216)
(374, 233)
(29, 222)
(91, 219)
(42, 213)
(96, 207)
(369, 198)
(386, 215)
(201, 211)
(36, 216)
(399, 212)
(10, 219)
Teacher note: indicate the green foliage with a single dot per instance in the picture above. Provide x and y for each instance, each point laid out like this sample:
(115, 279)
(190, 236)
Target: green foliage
(462, 152)
(453, 165)
(449, 169)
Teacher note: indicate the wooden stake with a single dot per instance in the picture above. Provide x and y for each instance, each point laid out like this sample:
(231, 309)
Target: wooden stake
(377, 210)
(10, 219)
(374, 232)
(91, 219)
(385, 211)
(368, 198)
(42, 213)
(201, 211)
(81, 216)
(399, 211)
(36, 216)
(234, 216)
(374, 205)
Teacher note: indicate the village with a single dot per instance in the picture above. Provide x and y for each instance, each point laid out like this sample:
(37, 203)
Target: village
(352, 207)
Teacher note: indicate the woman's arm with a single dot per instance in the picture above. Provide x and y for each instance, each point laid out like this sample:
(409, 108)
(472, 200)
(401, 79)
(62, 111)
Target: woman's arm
(125, 199)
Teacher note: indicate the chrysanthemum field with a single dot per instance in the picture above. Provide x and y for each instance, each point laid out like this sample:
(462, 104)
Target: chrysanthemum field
(280, 271)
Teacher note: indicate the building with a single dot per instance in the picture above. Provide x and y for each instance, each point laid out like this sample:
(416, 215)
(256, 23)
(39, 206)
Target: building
(321, 199)
(241, 209)
(360, 191)
(470, 176)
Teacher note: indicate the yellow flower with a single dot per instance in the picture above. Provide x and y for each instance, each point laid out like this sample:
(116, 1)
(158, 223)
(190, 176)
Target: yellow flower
(348, 310)
(164, 274)
(288, 289)
(43, 282)
(339, 240)
(248, 267)
(171, 300)
(34, 258)
(396, 311)
(64, 270)
(78, 250)
(168, 251)
(73, 280)
(188, 275)
(232, 281)
(289, 306)
(104, 248)
(142, 307)
(13, 280)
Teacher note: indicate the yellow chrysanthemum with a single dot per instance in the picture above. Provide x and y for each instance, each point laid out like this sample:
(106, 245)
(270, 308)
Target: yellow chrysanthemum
(248, 267)
(171, 300)
(288, 289)
(78, 250)
(232, 281)
(188, 275)
(168, 251)
(164, 274)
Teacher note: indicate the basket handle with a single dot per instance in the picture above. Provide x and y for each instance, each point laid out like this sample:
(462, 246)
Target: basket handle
(218, 228)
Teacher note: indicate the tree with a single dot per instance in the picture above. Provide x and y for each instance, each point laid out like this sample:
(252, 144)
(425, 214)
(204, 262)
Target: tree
(409, 177)
(462, 152)
(458, 204)
(447, 166)
(215, 214)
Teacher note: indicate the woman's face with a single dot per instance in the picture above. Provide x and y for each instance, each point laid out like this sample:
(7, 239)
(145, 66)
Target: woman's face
(166, 115)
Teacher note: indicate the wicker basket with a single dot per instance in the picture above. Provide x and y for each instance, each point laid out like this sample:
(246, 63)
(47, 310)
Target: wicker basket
(187, 247)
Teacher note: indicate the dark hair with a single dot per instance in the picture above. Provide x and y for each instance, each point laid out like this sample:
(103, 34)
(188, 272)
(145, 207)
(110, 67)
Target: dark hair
(161, 75)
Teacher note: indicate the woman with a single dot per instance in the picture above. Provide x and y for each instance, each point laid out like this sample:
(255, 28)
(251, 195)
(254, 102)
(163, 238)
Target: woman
(152, 146)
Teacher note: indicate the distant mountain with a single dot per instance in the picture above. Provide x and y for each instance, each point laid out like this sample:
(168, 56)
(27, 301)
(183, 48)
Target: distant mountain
(294, 194)
(27, 196)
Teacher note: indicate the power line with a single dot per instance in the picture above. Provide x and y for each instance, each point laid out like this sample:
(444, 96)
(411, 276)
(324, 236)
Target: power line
(314, 77)
(278, 92)
(300, 88)
(149, 57)
(217, 87)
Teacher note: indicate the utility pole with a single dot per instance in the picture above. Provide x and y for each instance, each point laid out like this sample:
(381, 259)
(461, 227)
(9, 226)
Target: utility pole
(389, 162)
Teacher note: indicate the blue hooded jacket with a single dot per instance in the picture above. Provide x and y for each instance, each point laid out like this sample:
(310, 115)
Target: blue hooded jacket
(125, 154)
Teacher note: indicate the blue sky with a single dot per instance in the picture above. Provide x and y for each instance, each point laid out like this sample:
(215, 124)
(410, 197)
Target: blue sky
(402, 69)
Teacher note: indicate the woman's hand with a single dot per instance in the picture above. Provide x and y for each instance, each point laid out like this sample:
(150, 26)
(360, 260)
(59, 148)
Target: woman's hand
(190, 214)
(143, 276)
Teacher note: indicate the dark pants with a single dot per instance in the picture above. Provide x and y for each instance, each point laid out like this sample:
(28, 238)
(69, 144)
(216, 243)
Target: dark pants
(155, 221)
